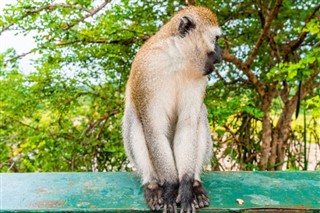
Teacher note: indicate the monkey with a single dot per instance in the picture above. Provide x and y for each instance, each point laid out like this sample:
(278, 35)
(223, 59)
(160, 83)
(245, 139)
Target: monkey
(165, 125)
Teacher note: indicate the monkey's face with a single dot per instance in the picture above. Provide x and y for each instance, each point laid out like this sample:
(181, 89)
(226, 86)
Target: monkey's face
(199, 33)
(214, 57)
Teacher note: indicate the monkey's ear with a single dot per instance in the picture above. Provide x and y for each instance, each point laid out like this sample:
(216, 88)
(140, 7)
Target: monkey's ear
(185, 26)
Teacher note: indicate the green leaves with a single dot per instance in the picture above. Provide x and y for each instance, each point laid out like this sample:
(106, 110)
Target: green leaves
(313, 27)
(296, 71)
(66, 115)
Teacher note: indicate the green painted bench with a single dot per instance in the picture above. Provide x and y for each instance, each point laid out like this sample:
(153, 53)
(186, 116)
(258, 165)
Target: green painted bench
(121, 192)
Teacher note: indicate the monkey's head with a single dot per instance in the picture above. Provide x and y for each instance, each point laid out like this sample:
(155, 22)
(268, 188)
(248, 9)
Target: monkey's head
(194, 32)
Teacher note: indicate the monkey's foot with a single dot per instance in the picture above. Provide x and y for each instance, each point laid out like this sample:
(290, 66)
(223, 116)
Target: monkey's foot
(201, 198)
(186, 195)
(153, 194)
(169, 197)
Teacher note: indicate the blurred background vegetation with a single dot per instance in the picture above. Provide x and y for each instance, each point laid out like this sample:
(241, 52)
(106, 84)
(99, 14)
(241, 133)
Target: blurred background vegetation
(65, 114)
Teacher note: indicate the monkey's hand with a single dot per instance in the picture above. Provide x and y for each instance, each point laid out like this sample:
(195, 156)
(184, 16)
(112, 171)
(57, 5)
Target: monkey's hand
(201, 198)
(186, 195)
(192, 197)
(169, 197)
(153, 194)
(186, 201)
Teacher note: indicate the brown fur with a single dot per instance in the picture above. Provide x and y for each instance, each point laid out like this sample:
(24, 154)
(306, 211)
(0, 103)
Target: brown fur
(165, 126)
(138, 76)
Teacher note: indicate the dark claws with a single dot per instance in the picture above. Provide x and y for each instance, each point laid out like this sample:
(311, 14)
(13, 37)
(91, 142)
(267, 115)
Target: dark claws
(165, 197)
(190, 209)
(153, 195)
(172, 208)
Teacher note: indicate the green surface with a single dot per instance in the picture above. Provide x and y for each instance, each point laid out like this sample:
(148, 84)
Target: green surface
(121, 191)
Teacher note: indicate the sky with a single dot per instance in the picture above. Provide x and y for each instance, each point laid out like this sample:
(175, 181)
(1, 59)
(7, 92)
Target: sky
(20, 43)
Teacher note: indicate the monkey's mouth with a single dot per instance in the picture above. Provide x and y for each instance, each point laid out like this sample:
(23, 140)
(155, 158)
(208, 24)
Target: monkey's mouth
(209, 69)
(213, 58)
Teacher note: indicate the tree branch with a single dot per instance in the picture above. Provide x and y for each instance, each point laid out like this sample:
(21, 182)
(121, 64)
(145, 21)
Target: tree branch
(240, 10)
(308, 87)
(18, 57)
(95, 11)
(264, 32)
(260, 12)
(121, 42)
(101, 121)
(102, 41)
(284, 93)
(233, 135)
(191, 2)
(246, 70)
(245, 67)
(231, 82)
(274, 47)
(49, 7)
(293, 45)
(57, 5)
(23, 124)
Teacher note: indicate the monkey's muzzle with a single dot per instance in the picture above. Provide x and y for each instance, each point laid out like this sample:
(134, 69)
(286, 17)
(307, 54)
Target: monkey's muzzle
(214, 57)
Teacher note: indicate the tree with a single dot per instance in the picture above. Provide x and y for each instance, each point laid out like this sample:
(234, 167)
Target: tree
(271, 56)
(66, 116)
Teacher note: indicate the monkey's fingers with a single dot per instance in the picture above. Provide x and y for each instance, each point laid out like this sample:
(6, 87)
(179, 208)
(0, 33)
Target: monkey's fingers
(195, 203)
(201, 197)
(156, 203)
(152, 207)
(171, 208)
(206, 200)
(159, 197)
(202, 201)
(178, 200)
(151, 204)
(188, 208)
(153, 195)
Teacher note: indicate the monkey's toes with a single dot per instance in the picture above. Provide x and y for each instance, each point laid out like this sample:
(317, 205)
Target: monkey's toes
(201, 201)
(188, 207)
(201, 198)
(153, 195)
(171, 207)
(169, 197)
(186, 201)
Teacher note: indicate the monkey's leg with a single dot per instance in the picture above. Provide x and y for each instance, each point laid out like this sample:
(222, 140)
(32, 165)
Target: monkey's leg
(191, 144)
(137, 152)
(156, 125)
(153, 194)
(185, 150)
(204, 153)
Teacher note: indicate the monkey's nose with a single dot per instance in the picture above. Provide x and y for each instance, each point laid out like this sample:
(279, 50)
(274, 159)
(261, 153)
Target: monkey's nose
(218, 54)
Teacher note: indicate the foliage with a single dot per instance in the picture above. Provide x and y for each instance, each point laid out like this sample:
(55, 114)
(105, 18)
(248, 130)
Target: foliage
(66, 115)
(272, 65)
(56, 124)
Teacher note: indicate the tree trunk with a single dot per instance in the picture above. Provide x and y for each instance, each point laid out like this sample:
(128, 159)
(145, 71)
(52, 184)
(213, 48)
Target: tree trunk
(266, 134)
(282, 132)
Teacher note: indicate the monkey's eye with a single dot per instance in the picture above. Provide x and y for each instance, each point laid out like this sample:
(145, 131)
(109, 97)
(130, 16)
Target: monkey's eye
(216, 39)
(220, 41)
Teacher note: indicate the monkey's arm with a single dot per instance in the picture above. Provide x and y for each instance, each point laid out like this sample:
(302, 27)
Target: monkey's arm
(135, 144)
(155, 123)
(190, 149)
(138, 153)
(156, 128)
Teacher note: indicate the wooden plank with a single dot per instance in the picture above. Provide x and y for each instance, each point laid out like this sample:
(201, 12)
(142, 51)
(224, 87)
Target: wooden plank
(260, 191)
